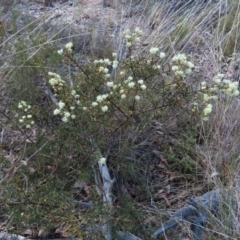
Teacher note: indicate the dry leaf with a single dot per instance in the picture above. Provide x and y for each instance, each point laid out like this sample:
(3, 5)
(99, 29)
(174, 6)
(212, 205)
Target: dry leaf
(163, 159)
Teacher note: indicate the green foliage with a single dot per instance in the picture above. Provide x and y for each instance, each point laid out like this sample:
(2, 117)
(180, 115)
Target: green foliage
(180, 152)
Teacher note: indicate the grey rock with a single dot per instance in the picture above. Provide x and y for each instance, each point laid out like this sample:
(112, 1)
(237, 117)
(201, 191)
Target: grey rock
(198, 211)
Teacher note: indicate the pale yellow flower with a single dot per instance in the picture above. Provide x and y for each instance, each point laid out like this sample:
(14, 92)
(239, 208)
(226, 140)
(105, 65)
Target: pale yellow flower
(104, 108)
(60, 51)
(162, 55)
(140, 81)
(137, 98)
(94, 104)
(131, 84)
(61, 104)
(102, 160)
(69, 46)
(154, 50)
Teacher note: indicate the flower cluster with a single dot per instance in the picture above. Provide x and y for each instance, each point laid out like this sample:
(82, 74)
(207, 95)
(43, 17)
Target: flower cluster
(230, 88)
(66, 111)
(207, 94)
(209, 91)
(26, 118)
(157, 56)
(56, 82)
(132, 37)
(218, 78)
(207, 110)
(181, 66)
(105, 64)
(101, 99)
(129, 84)
(121, 90)
(207, 106)
(155, 51)
(71, 100)
(68, 48)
